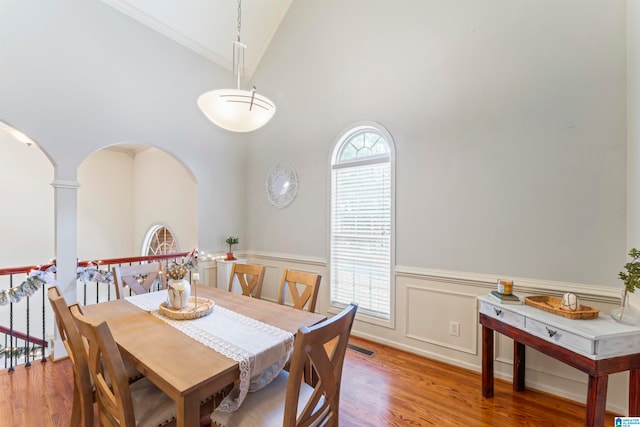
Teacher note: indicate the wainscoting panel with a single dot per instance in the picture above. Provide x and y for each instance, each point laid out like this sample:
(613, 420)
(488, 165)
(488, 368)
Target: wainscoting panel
(208, 271)
(432, 313)
(426, 301)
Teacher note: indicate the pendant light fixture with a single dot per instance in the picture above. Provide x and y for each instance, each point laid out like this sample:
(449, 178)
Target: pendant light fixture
(237, 110)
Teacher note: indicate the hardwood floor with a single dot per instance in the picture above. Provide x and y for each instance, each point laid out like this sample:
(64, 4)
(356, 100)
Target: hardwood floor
(390, 388)
(41, 395)
(395, 388)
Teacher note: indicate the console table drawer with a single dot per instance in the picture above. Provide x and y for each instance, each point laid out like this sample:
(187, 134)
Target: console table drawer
(498, 311)
(559, 336)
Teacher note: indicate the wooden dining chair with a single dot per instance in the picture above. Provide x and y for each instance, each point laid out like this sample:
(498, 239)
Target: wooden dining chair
(139, 278)
(250, 277)
(119, 403)
(303, 288)
(83, 398)
(288, 401)
(83, 393)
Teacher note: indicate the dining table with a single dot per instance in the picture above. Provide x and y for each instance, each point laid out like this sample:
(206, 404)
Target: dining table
(171, 356)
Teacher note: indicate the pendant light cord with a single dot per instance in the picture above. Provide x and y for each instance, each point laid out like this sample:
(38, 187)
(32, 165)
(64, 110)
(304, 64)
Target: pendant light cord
(238, 50)
(239, 19)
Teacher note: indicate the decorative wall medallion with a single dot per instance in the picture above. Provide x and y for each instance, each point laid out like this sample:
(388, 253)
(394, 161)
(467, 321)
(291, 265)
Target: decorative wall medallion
(281, 185)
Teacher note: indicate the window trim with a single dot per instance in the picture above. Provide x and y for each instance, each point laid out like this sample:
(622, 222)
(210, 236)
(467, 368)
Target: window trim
(151, 231)
(345, 134)
(372, 160)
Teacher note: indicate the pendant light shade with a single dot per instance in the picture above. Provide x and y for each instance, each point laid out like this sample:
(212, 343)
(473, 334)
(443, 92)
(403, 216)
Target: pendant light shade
(236, 110)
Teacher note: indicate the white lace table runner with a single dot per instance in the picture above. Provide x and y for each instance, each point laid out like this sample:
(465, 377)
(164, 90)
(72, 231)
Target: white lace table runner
(261, 350)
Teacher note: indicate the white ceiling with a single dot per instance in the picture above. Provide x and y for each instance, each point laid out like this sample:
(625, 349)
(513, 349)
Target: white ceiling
(209, 27)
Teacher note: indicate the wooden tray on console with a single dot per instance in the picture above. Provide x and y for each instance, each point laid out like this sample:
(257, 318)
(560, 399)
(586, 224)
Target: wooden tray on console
(204, 307)
(554, 305)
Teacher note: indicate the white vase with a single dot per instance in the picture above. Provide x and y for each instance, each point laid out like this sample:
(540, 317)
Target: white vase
(179, 293)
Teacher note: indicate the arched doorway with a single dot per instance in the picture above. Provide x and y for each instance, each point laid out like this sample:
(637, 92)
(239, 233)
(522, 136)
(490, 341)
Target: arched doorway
(127, 190)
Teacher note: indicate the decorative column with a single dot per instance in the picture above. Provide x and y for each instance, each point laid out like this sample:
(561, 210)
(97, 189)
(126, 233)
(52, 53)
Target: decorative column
(66, 246)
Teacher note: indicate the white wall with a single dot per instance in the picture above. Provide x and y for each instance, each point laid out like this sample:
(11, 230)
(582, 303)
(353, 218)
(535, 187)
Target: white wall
(26, 215)
(633, 123)
(164, 193)
(105, 206)
(508, 119)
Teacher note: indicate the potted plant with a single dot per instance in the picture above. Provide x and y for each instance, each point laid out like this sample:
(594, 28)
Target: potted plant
(231, 240)
(631, 279)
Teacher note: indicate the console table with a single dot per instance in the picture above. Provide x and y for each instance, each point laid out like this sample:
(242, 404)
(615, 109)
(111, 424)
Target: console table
(598, 347)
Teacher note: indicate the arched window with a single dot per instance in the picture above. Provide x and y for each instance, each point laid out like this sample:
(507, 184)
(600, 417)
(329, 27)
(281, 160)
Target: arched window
(159, 240)
(361, 220)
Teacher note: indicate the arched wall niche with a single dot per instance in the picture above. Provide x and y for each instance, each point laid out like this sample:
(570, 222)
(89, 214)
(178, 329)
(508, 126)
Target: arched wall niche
(127, 188)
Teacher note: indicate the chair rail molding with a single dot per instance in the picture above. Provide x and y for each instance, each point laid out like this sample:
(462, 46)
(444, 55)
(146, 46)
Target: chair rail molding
(299, 259)
(604, 294)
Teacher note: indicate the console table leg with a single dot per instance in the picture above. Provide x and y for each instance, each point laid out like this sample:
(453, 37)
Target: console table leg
(487, 362)
(518, 366)
(634, 392)
(596, 401)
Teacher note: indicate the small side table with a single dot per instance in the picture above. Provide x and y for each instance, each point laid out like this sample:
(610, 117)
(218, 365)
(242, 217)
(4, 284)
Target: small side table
(224, 272)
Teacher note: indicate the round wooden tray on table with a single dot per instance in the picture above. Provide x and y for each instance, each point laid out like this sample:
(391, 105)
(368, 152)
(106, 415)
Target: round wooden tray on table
(191, 311)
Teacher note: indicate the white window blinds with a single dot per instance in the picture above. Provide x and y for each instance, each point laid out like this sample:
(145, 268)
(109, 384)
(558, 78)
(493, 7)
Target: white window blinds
(361, 233)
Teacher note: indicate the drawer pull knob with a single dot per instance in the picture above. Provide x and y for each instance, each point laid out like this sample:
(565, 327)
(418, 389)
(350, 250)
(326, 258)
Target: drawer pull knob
(551, 332)
(498, 311)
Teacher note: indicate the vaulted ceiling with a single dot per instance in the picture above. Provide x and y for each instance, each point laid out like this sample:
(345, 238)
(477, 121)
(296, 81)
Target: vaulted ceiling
(209, 27)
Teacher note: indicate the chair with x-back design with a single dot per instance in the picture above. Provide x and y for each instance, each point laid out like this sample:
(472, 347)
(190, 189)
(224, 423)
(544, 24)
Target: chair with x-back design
(249, 276)
(139, 278)
(288, 401)
(83, 393)
(303, 288)
(83, 398)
